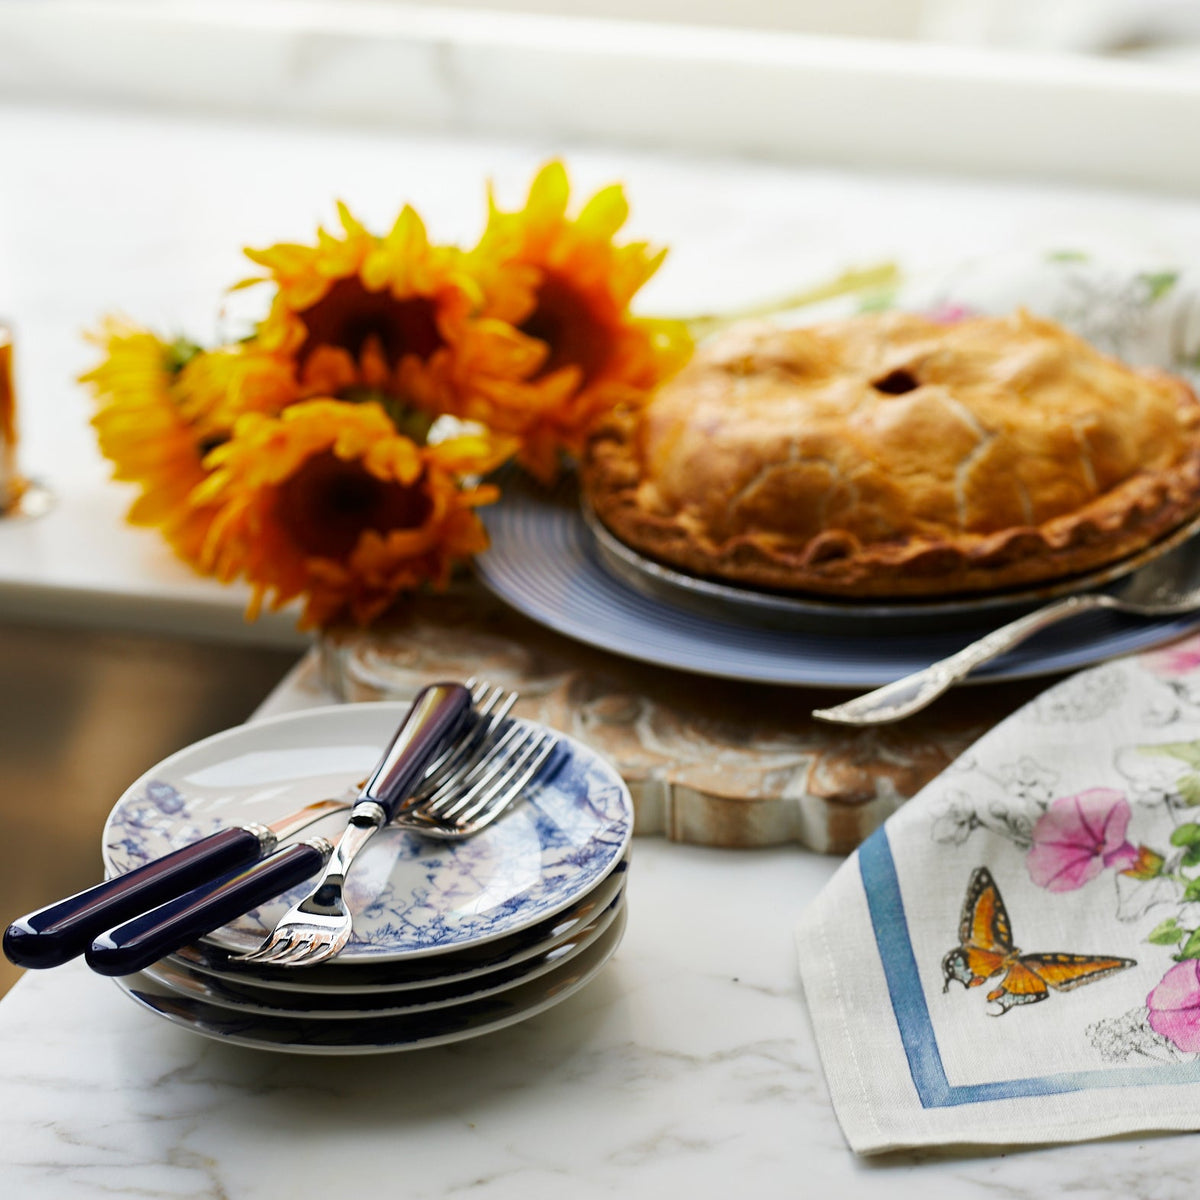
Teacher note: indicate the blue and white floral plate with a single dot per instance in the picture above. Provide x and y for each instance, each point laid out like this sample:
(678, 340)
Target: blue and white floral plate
(411, 896)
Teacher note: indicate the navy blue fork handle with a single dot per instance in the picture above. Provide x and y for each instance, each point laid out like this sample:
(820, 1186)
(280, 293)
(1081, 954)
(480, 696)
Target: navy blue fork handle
(153, 935)
(61, 931)
(438, 712)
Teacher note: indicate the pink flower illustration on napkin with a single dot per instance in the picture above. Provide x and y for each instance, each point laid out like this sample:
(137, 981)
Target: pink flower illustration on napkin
(1181, 658)
(1175, 1005)
(1077, 837)
(949, 312)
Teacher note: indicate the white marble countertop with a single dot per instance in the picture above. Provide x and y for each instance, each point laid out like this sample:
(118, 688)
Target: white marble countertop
(687, 1067)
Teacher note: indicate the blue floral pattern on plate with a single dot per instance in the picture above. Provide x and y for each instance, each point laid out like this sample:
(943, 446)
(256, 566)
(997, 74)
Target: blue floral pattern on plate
(411, 896)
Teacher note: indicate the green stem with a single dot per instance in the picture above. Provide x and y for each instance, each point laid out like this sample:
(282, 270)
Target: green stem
(180, 352)
(848, 283)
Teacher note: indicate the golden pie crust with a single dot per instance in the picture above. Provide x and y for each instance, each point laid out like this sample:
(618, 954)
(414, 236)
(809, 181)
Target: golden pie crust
(889, 456)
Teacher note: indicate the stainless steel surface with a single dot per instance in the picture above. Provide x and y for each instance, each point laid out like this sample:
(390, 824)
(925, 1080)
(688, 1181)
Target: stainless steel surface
(437, 716)
(269, 836)
(320, 925)
(1168, 586)
(779, 610)
(460, 758)
(84, 713)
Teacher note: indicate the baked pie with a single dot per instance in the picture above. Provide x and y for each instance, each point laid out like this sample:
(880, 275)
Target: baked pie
(887, 455)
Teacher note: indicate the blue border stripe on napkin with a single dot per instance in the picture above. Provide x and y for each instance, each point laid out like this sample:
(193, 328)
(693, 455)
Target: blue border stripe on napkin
(882, 886)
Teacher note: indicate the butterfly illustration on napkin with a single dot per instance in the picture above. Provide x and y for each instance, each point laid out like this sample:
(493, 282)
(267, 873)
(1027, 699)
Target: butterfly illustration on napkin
(986, 949)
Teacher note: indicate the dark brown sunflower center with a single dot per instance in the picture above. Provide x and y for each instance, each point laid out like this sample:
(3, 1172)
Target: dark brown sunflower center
(328, 502)
(348, 316)
(564, 320)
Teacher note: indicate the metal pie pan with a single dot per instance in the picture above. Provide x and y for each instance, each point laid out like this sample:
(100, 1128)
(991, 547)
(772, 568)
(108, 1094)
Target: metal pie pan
(779, 610)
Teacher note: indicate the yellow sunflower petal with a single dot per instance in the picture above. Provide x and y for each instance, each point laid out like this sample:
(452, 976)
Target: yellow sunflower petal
(549, 193)
(142, 429)
(397, 315)
(564, 283)
(605, 213)
(327, 501)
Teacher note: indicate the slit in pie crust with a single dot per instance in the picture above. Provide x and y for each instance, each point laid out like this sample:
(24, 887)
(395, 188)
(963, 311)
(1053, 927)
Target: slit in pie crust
(887, 455)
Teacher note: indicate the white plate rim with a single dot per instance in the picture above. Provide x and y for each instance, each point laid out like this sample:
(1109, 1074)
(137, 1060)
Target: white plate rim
(613, 883)
(167, 971)
(551, 993)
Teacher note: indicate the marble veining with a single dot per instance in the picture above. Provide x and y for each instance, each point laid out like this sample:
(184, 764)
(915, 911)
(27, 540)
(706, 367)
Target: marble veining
(686, 1067)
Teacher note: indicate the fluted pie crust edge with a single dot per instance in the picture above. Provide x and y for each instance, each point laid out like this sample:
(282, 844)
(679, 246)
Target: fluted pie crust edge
(1119, 522)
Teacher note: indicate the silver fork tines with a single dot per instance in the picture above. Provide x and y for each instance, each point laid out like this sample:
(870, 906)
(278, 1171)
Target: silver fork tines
(461, 813)
(491, 710)
(472, 785)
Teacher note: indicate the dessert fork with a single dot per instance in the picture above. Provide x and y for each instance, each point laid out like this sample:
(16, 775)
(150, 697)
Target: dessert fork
(440, 727)
(60, 931)
(482, 777)
(320, 925)
(477, 797)
(1166, 587)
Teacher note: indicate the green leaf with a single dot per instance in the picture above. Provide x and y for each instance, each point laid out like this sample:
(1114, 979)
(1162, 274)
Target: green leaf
(1192, 891)
(1188, 786)
(877, 302)
(1158, 283)
(855, 281)
(1191, 948)
(1191, 857)
(1188, 752)
(179, 353)
(1187, 834)
(1166, 933)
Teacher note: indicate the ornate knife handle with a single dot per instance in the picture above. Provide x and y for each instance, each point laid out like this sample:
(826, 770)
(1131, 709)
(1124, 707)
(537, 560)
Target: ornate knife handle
(904, 697)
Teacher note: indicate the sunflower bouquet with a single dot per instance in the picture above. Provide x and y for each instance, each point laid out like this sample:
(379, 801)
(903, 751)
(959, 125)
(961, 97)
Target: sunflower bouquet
(339, 453)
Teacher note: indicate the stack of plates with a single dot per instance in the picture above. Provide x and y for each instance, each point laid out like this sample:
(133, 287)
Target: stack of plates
(451, 940)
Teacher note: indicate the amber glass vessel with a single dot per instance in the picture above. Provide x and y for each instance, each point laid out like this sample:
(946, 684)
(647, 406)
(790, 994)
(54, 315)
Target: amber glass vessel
(11, 485)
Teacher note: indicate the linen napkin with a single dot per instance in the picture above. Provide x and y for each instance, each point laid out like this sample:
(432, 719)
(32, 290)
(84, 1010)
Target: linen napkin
(1141, 309)
(1015, 956)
